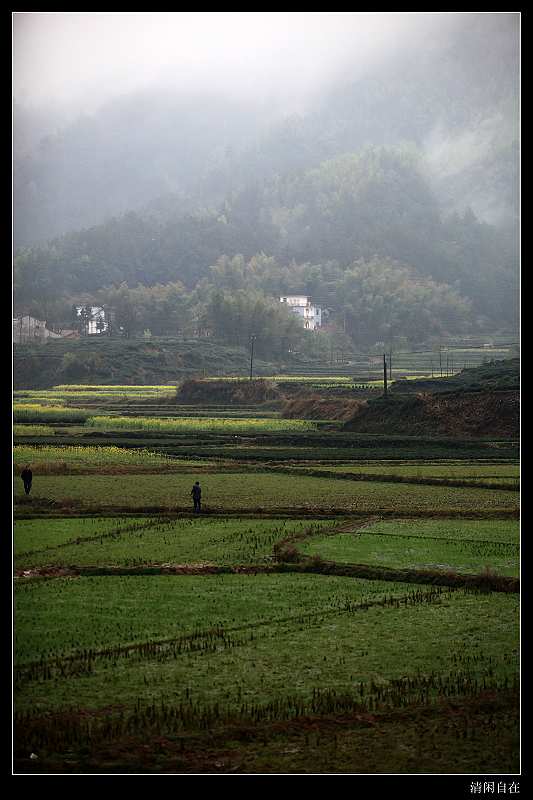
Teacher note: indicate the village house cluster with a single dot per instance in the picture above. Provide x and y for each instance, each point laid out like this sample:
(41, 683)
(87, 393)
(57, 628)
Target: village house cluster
(90, 321)
(93, 321)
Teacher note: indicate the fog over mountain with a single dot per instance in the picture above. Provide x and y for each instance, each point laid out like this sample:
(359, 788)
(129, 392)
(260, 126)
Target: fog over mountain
(307, 136)
(81, 60)
(160, 100)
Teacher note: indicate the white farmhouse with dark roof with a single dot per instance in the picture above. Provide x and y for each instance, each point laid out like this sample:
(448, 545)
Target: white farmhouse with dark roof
(95, 321)
(301, 304)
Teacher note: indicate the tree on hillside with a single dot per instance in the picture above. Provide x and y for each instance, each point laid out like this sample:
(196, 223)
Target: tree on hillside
(305, 230)
(236, 316)
(382, 298)
(163, 309)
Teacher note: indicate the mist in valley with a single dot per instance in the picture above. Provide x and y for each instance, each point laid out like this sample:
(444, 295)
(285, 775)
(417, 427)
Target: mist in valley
(208, 162)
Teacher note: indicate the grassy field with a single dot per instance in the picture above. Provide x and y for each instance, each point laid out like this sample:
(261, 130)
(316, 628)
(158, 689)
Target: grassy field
(37, 412)
(311, 450)
(232, 654)
(333, 633)
(342, 617)
(44, 535)
(46, 459)
(458, 545)
(33, 430)
(492, 475)
(424, 469)
(234, 491)
(130, 542)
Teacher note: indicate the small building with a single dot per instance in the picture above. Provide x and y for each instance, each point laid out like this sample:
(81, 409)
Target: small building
(68, 333)
(310, 313)
(94, 318)
(29, 329)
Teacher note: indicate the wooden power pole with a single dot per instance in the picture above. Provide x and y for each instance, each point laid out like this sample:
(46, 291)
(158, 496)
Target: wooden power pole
(252, 340)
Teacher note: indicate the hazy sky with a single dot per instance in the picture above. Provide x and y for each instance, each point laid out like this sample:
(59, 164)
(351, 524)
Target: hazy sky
(83, 58)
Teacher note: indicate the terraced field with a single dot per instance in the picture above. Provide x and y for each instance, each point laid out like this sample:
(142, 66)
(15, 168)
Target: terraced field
(253, 491)
(459, 545)
(152, 540)
(324, 613)
(70, 459)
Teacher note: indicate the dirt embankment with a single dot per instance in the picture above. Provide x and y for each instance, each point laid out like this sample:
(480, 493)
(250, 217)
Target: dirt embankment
(227, 392)
(465, 414)
(316, 407)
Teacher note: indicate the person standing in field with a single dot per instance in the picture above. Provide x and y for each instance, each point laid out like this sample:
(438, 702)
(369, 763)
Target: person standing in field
(196, 492)
(27, 477)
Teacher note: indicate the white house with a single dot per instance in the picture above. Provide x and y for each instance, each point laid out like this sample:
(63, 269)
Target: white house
(96, 323)
(301, 304)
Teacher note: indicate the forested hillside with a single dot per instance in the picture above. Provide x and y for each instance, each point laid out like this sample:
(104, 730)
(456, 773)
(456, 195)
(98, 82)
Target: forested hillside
(362, 233)
(391, 198)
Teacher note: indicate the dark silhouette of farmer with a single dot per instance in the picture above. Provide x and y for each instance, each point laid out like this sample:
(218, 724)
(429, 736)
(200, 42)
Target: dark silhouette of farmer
(196, 496)
(27, 477)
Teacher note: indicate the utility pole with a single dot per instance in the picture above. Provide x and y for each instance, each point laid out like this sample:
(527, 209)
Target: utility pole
(384, 374)
(252, 340)
(390, 365)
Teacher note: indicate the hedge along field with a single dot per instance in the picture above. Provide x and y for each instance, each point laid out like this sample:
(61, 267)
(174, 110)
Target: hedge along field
(198, 425)
(47, 459)
(459, 545)
(213, 644)
(251, 491)
(137, 542)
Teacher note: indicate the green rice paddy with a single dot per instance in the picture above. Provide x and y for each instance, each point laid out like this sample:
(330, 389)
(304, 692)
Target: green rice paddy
(131, 542)
(255, 490)
(447, 545)
(231, 641)
(42, 536)
(436, 469)
(225, 643)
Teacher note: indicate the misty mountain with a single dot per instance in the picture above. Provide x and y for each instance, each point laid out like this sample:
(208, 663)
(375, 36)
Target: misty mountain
(383, 182)
(453, 98)
(131, 151)
(374, 204)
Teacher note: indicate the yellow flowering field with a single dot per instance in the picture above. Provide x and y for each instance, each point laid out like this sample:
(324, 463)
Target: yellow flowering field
(50, 459)
(203, 424)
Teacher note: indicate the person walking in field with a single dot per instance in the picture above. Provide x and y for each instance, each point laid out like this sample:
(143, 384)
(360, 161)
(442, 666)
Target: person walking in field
(27, 477)
(196, 493)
